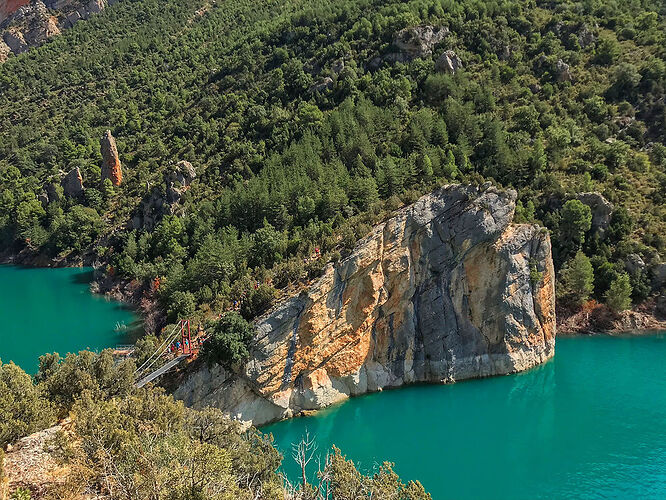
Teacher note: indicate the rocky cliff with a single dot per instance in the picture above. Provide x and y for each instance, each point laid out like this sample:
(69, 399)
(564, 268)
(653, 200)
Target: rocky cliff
(447, 289)
(25, 24)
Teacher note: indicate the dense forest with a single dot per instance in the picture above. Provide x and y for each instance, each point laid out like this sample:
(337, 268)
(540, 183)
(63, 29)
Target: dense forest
(300, 124)
(305, 124)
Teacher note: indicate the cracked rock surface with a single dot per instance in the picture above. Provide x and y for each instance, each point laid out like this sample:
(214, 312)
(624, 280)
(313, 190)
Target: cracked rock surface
(445, 290)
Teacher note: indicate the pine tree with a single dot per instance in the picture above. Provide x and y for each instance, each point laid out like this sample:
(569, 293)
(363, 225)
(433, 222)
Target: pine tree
(618, 296)
(578, 278)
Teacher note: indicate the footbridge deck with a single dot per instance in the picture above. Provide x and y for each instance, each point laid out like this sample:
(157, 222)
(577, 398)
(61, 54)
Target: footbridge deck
(161, 371)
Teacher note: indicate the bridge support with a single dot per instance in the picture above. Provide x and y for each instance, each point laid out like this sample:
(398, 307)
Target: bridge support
(185, 335)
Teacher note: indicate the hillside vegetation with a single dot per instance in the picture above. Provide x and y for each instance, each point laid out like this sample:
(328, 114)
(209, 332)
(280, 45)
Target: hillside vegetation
(305, 124)
(140, 444)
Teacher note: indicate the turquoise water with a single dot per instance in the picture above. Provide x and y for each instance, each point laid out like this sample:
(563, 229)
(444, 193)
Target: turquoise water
(52, 310)
(591, 423)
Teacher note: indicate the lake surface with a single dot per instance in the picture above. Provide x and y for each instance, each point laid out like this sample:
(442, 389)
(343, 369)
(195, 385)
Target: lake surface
(591, 423)
(52, 310)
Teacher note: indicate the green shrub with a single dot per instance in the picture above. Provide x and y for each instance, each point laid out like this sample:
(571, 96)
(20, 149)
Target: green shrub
(228, 340)
(23, 407)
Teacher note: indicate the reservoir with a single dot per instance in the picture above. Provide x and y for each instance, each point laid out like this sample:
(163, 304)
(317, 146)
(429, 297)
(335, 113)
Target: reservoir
(53, 310)
(591, 423)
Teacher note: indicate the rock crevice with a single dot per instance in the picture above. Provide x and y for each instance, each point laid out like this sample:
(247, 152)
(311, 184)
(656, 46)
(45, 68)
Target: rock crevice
(447, 289)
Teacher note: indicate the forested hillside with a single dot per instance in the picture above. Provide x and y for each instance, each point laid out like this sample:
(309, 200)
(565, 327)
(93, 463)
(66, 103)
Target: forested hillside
(307, 121)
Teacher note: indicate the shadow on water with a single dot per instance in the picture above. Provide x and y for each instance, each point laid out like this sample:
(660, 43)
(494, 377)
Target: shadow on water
(84, 277)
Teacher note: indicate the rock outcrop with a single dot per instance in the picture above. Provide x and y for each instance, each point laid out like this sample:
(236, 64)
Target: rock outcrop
(25, 24)
(30, 463)
(601, 208)
(8, 7)
(412, 43)
(448, 62)
(418, 41)
(111, 168)
(562, 71)
(72, 183)
(447, 289)
(322, 85)
(164, 200)
(30, 25)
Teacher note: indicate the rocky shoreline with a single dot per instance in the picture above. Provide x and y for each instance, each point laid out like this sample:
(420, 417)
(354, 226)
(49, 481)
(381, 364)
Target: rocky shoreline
(130, 292)
(594, 318)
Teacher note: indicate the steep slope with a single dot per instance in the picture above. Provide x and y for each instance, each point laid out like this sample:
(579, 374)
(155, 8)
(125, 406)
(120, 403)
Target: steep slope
(305, 122)
(447, 289)
(25, 24)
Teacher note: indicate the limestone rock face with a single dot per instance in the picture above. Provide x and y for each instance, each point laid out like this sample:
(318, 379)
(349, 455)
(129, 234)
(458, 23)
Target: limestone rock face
(8, 7)
(30, 25)
(322, 85)
(4, 51)
(111, 168)
(412, 43)
(448, 62)
(418, 41)
(447, 289)
(72, 183)
(164, 200)
(25, 24)
(602, 209)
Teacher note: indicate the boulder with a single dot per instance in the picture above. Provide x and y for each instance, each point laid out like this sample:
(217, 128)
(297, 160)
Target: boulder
(322, 85)
(634, 264)
(602, 209)
(562, 71)
(177, 180)
(447, 289)
(182, 173)
(72, 183)
(111, 167)
(448, 62)
(586, 36)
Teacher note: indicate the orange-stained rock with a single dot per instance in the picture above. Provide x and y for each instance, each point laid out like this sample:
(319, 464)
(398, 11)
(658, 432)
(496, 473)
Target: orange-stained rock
(25, 24)
(445, 290)
(111, 168)
(8, 7)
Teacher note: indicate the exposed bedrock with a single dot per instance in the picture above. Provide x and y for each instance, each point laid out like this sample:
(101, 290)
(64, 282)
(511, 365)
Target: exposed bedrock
(447, 289)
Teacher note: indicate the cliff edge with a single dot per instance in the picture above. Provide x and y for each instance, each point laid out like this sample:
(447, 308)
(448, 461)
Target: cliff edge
(445, 290)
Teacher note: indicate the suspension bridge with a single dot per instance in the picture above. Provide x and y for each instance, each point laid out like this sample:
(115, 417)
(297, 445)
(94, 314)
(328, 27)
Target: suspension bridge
(148, 371)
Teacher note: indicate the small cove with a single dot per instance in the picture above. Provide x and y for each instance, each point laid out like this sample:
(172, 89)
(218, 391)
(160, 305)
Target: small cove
(53, 310)
(588, 424)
